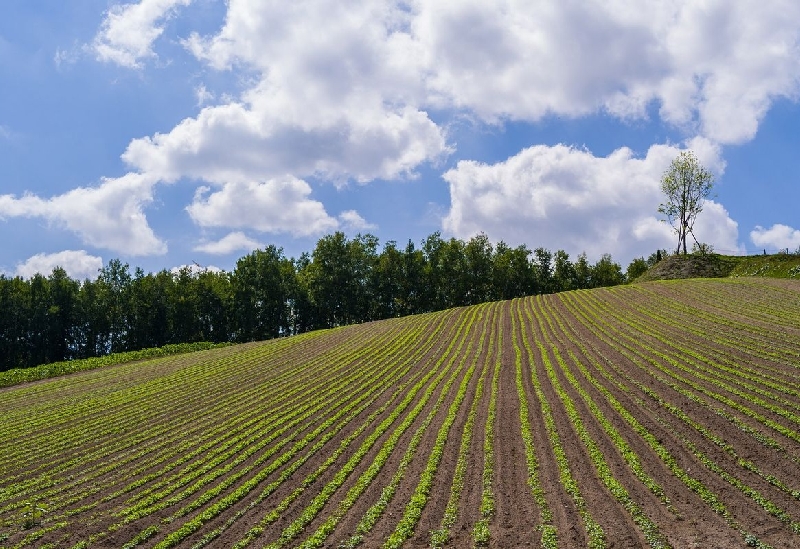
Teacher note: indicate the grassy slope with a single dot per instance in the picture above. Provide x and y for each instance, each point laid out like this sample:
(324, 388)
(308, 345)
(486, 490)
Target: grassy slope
(721, 266)
(16, 376)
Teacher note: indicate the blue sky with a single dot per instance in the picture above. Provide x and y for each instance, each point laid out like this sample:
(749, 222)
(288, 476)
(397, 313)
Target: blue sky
(166, 132)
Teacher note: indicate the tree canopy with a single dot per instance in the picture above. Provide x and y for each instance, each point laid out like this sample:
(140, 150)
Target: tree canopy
(686, 184)
(342, 281)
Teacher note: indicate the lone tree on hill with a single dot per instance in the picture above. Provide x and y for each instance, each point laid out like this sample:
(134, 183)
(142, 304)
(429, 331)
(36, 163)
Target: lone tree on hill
(687, 184)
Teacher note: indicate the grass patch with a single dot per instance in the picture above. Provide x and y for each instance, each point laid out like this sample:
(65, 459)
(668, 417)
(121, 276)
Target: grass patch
(55, 369)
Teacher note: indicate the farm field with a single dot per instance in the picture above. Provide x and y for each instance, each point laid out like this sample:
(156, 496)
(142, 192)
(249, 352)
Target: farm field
(662, 414)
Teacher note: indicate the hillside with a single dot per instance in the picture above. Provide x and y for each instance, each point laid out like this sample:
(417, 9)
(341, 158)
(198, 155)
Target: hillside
(664, 414)
(720, 266)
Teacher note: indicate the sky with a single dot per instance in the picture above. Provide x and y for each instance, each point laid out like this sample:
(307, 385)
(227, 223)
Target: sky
(178, 132)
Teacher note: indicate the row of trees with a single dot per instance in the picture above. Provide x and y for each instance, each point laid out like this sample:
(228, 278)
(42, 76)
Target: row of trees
(343, 281)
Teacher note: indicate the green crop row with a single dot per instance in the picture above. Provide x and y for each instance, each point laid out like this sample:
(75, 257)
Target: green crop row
(713, 372)
(726, 331)
(79, 479)
(693, 484)
(299, 462)
(648, 527)
(170, 441)
(413, 510)
(372, 515)
(594, 532)
(184, 414)
(45, 371)
(633, 346)
(549, 537)
(481, 532)
(214, 510)
(232, 458)
(273, 515)
(121, 417)
(318, 502)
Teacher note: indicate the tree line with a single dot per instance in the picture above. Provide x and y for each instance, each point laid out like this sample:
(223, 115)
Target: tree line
(343, 281)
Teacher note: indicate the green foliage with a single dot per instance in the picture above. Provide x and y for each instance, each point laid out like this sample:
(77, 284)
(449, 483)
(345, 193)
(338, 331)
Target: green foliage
(141, 537)
(606, 273)
(636, 268)
(480, 533)
(686, 185)
(54, 319)
(701, 248)
(772, 266)
(45, 371)
(32, 514)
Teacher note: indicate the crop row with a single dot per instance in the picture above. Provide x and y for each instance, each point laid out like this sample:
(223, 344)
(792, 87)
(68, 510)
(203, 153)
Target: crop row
(635, 350)
(244, 489)
(339, 405)
(210, 372)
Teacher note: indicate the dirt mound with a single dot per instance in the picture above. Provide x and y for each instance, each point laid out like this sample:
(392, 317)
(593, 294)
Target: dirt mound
(691, 266)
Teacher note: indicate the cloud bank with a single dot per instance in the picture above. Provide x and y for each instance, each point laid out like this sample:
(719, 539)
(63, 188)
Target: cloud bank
(363, 91)
(128, 31)
(78, 264)
(778, 236)
(566, 198)
(109, 216)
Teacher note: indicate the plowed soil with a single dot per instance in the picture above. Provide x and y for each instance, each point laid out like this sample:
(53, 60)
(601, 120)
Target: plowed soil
(675, 413)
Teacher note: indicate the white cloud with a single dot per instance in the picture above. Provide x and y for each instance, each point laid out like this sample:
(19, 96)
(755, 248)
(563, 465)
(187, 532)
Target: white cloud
(195, 269)
(713, 67)
(353, 221)
(342, 91)
(109, 216)
(78, 264)
(203, 95)
(237, 142)
(778, 236)
(275, 206)
(5, 132)
(334, 96)
(567, 198)
(346, 91)
(66, 57)
(128, 31)
(232, 242)
(714, 226)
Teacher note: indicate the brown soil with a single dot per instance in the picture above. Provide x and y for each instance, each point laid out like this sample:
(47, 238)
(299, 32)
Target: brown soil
(70, 445)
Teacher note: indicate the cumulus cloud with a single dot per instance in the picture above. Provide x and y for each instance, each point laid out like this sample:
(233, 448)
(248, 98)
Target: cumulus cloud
(195, 269)
(353, 221)
(78, 264)
(778, 236)
(334, 96)
(128, 31)
(232, 242)
(343, 92)
(247, 141)
(712, 67)
(274, 206)
(347, 91)
(203, 95)
(109, 216)
(563, 197)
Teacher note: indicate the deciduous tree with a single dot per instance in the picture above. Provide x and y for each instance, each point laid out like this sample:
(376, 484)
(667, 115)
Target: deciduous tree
(686, 184)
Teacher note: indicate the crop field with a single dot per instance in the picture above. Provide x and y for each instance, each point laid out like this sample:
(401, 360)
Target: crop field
(664, 414)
